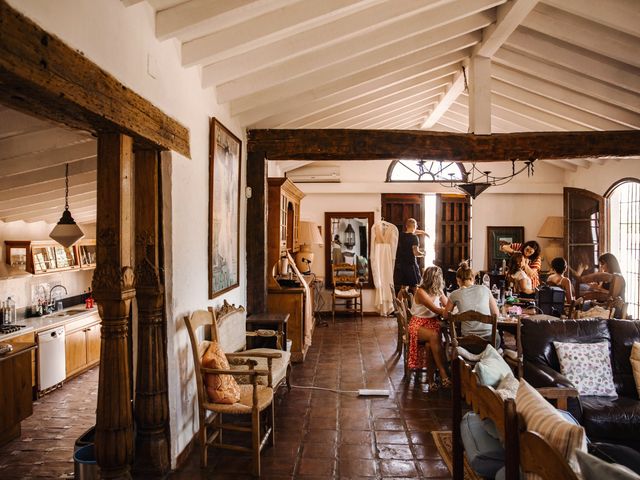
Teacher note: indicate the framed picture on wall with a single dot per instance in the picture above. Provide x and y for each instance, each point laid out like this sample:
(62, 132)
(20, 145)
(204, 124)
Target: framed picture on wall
(225, 151)
(497, 236)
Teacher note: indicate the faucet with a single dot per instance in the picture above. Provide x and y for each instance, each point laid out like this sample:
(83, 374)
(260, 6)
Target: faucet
(51, 304)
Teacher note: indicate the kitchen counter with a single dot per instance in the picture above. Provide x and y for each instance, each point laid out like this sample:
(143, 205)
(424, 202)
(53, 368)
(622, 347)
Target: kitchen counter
(52, 320)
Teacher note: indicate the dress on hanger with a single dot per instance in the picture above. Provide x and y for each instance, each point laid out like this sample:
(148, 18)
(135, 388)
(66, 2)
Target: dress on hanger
(384, 240)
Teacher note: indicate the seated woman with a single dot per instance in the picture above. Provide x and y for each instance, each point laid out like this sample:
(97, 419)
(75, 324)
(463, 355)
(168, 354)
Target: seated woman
(559, 278)
(472, 297)
(606, 284)
(428, 305)
(515, 272)
(531, 252)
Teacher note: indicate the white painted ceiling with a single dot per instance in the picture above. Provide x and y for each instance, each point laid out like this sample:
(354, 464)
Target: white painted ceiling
(556, 65)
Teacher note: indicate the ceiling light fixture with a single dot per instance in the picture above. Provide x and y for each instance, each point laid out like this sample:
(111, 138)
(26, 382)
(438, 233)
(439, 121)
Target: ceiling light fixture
(474, 184)
(66, 232)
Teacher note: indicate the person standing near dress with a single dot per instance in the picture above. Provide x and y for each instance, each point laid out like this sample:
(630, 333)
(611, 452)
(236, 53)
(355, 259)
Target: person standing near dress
(384, 240)
(406, 272)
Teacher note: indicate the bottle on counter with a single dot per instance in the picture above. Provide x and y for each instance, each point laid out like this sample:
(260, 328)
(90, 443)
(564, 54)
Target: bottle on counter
(11, 310)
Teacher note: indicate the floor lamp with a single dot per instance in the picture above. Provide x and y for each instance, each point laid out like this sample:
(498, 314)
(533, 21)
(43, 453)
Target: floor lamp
(553, 229)
(308, 235)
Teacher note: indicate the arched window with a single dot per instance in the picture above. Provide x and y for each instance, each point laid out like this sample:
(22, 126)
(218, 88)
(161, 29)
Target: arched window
(425, 171)
(624, 228)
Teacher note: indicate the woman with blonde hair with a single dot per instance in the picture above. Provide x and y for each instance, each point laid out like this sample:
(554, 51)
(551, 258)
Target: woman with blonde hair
(428, 305)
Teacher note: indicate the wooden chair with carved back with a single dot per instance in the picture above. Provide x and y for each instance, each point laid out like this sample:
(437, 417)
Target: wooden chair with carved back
(256, 401)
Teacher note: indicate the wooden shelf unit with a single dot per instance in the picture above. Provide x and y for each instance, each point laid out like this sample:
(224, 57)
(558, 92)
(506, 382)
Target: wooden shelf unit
(46, 256)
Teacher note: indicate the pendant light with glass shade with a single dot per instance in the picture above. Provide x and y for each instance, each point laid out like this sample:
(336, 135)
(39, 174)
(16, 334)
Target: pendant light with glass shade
(66, 232)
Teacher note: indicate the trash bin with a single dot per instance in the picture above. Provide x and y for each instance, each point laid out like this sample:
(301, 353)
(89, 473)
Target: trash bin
(87, 438)
(85, 466)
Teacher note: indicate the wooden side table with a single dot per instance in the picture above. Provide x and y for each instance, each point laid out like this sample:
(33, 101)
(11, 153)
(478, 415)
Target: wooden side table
(270, 321)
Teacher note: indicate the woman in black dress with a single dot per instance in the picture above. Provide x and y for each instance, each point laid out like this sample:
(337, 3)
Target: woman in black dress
(406, 272)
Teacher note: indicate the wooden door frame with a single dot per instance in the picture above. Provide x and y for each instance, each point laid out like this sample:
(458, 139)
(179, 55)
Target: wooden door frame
(41, 75)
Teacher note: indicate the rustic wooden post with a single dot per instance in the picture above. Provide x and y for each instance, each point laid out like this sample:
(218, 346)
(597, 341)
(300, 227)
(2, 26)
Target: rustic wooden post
(113, 286)
(151, 406)
(257, 268)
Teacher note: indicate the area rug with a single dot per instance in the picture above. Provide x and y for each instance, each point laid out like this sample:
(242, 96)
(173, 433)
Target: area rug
(444, 443)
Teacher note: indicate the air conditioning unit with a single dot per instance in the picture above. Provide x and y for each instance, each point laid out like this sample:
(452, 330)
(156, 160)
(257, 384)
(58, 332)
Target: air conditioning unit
(315, 174)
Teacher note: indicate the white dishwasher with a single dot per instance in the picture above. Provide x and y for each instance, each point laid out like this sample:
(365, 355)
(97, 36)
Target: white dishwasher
(51, 358)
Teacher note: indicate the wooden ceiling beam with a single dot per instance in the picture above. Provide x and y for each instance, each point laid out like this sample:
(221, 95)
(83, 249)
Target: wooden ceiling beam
(623, 15)
(41, 75)
(269, 27)
(621, 116)
(562, 164)
(38, 188)
(524, 109)
(47, 158)
(383, 117)
(584, 33)
(340, 64)
(425, 83)
(45, 197)
(375, 144)
(49, 174)
(315, 39)
(380, 75)
(285, 114)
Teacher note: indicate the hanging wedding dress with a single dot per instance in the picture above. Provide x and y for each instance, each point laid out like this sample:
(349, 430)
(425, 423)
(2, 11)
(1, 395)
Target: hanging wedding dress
(384, 240)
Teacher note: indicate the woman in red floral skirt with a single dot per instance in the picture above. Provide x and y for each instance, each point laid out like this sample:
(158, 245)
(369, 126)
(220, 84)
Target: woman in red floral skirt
(428, 306)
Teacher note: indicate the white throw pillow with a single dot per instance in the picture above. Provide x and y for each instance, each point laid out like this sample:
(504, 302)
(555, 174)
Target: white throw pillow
(635, 364)
(491, 368)
(588, 367)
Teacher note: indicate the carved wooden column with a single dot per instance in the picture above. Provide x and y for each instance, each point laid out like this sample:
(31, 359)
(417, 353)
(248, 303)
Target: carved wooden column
(257, 233)
(151, 399)
(113, 287)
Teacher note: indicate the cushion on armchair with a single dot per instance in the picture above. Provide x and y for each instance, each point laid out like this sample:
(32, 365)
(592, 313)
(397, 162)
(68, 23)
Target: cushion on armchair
(588, 367)
(491, 367)
(220, 388)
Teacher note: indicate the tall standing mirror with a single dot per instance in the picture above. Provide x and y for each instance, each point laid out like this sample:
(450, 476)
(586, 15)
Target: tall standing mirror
(347, 238)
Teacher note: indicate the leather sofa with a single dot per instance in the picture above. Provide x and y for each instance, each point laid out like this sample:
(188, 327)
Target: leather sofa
(605, 419)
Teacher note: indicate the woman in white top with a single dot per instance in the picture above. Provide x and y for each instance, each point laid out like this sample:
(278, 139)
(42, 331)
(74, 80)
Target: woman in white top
(521, 281)
(472, 297)
(428, 305)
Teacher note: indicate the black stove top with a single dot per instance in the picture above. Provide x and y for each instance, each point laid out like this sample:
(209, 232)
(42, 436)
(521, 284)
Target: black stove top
(10, 328)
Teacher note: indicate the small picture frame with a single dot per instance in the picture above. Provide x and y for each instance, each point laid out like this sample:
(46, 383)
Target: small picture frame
(496, 236)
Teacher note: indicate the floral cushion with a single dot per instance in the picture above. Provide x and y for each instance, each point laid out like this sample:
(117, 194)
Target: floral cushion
(588, 367)
(508, 387)
(220, 388)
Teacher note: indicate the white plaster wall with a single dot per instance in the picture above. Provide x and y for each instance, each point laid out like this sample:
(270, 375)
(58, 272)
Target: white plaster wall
(598, 178)
(121, 40)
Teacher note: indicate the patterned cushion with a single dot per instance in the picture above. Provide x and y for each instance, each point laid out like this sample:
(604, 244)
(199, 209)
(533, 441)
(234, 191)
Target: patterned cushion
(635, 364)
(588, 367)
(491, 368)
(541, 417)
(220, 388)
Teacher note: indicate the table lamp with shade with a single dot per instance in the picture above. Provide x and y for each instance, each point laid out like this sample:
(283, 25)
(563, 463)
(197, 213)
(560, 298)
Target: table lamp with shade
(553, 229)
(308, 235)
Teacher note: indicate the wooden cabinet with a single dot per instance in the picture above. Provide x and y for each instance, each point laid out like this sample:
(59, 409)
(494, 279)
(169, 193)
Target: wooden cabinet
(15, 391)
(283, 219)
(82, 344)
(28, 338)
(40, 256)
(292, 301)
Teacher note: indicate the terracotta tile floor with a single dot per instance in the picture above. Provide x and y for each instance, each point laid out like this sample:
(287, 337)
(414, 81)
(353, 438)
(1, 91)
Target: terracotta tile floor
(324, 435)
(45, 448)
(319, 434)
